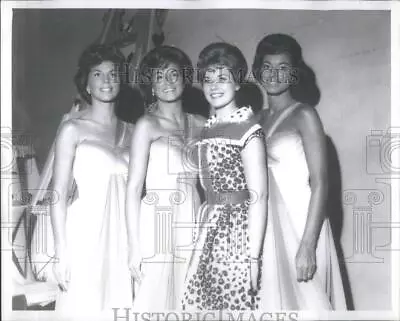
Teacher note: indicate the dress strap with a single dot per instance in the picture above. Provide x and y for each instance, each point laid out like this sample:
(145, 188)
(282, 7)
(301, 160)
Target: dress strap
(285, 114)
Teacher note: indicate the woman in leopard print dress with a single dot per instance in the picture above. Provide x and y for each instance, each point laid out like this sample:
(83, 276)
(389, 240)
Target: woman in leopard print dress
(225, 266)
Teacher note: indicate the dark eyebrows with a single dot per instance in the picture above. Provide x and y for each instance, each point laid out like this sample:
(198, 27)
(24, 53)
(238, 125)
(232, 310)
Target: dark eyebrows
(99, 70)
(284, 63)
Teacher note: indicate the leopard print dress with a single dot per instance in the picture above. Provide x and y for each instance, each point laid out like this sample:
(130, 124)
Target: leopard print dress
(219, 273)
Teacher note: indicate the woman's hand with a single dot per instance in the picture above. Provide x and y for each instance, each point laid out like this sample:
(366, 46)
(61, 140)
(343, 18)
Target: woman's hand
(61, 272)
(306, 263)
(135, 262)
(254, 274)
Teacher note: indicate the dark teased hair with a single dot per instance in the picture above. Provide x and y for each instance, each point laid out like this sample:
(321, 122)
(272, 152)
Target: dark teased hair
(305, 89)
(161, 57)
(223, 54)
(93, 56)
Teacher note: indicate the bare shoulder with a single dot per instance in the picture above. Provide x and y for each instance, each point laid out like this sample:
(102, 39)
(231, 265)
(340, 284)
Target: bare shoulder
(69, 130)
(306, 113)
(146, 125)
(307, 120)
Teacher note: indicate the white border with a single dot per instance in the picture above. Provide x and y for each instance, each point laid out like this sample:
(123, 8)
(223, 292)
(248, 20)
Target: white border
(6, 99)
(208, 4)
(395, 122)
(6, 122)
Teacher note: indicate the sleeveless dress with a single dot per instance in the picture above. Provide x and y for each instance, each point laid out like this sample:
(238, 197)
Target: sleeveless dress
(219, 272)
(289, 197)
(167, 223)
(96, 231)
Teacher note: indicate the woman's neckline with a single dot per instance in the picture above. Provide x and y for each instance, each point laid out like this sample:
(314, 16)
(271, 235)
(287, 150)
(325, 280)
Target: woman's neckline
(272, 112)
(102, 144)
(120, 131)
(277, 119)
(238, 115)
(176, 133)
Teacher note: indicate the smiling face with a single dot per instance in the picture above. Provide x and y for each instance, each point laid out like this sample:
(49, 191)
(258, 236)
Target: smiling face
(277, 73)
(219, 86)
(168, 83)
(103, 82)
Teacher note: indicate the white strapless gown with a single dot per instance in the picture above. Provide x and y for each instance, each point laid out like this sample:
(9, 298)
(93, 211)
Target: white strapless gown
(167, 228)
(288, 209)
(96, 232)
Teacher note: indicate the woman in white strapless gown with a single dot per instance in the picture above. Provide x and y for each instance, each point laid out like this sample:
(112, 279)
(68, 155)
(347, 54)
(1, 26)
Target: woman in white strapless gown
(96, 231)
(300, 264)
(90, 235)
(161, 224)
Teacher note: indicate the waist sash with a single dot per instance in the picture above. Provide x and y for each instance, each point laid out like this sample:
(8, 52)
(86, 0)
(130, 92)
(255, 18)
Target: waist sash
(228, 197)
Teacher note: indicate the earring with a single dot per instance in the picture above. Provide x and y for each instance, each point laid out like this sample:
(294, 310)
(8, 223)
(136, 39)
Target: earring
(153, 95)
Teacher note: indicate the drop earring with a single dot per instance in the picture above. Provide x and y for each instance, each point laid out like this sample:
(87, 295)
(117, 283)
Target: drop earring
(153, 103)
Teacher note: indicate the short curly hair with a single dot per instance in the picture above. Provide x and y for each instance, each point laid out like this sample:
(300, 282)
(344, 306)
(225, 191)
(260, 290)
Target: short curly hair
(93, 56)
(223, 54)
(161, 57)
(305, 88)
(277, 44)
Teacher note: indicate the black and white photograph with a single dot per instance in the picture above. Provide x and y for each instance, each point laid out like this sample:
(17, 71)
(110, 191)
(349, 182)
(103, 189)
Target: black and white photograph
(188, 161)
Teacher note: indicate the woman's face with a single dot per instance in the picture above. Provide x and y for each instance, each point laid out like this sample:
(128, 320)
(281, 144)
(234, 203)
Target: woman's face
(103, 82)
(277, 73)
(219, 86)
(168, 83)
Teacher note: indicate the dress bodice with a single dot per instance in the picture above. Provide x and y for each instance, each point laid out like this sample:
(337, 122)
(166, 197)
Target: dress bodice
(95, 162)
(171, 159)
(221, 163)
(288, 166)
(166, 162)
(287, 157)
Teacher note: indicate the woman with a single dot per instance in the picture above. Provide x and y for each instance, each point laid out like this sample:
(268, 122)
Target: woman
(160, 226)
(224, 270)
(90, 235)
(301, 269)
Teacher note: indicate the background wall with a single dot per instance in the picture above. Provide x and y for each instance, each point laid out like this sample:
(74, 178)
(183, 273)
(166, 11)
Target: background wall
(348, 51)
(46, 48)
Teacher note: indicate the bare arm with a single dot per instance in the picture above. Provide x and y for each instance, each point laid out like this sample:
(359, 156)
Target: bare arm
(65, 147)
(310, 128)
(255, 169)
(198, 125)
(139, 155)
(314, 141)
